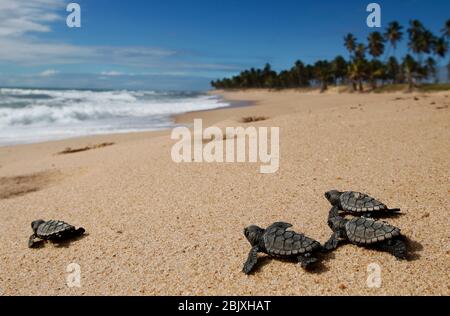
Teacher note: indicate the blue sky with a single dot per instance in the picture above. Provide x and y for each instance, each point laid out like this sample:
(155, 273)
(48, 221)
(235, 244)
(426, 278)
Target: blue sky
(181, 44)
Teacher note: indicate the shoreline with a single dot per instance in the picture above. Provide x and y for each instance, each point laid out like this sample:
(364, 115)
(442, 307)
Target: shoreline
(236, 98)
(138, 134)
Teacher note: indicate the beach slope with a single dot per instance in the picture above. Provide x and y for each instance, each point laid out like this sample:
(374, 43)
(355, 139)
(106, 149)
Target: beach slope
(155, 227)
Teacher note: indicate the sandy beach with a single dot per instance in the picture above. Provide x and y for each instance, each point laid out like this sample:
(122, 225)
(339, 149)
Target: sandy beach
(155, 227)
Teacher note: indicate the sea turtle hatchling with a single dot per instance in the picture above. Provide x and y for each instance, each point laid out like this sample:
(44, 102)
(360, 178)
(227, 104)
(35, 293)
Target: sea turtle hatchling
(55, 231)
(365, 232)
(277, 241)
(357, 203)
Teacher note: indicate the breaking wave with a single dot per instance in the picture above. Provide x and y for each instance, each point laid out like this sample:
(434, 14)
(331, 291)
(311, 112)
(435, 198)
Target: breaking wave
(30, 115)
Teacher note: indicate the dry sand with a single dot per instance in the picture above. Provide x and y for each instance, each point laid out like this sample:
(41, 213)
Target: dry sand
(160, 228)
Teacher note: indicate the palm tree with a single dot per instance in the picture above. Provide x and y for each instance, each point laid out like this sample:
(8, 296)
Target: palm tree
(253, 78)
(284, 79)
(415, 32)
(357, 72)
(446, 30)
(376, 70)
(376, 44)
(440, 49)
(393, 71)
(309, 73)
(393, 34)
(360, 51)
(430, 70)
(415, 29)
(269, 76)
(446, 34)
(236, 82)
(448, 71)
(339, 68)
(422, 45)
(350, 43)
(323, 73)
(421, 41)
(428, 41)
(259, 78)
(299, 74)
(411, 68)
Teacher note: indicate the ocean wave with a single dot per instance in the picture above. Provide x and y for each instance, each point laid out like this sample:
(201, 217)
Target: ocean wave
(54, 114)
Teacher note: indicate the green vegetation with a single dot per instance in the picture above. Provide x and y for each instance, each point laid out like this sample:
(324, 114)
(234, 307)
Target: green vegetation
(364, 67)
(396, 87)
(426, 87)
(434, 87)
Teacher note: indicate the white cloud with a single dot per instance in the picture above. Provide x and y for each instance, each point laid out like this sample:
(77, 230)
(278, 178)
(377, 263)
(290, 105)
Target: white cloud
(18, 17)
(22, 22)
(34, 52)
(112, 73)
(48, 73)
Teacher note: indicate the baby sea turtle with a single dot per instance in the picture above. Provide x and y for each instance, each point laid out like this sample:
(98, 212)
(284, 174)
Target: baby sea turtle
(52, 230)
(357, 203)
(277, 241)
(366, 232)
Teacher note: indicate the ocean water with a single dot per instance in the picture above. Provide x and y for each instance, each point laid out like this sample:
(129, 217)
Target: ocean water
(35, 115)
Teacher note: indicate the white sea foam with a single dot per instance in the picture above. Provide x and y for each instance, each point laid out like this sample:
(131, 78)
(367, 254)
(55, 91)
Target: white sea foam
(30, 115)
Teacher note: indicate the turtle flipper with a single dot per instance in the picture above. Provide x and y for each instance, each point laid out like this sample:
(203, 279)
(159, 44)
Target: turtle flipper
(395, 247)
(33, 241)
(332, 243)
(386, 213)
(251, 260)
(280, 225)
(306, 260)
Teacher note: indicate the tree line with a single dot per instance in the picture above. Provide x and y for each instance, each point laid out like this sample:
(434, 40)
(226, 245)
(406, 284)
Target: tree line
(364, 66)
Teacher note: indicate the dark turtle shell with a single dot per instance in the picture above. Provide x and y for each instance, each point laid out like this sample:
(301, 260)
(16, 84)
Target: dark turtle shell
(54, 229)
(368, 231)
(360, 202)
(282, 243)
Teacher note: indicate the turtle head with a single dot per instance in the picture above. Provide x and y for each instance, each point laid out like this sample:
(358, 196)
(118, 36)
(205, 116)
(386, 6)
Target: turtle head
(36, 224)
(333, 196)
(253, 234)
